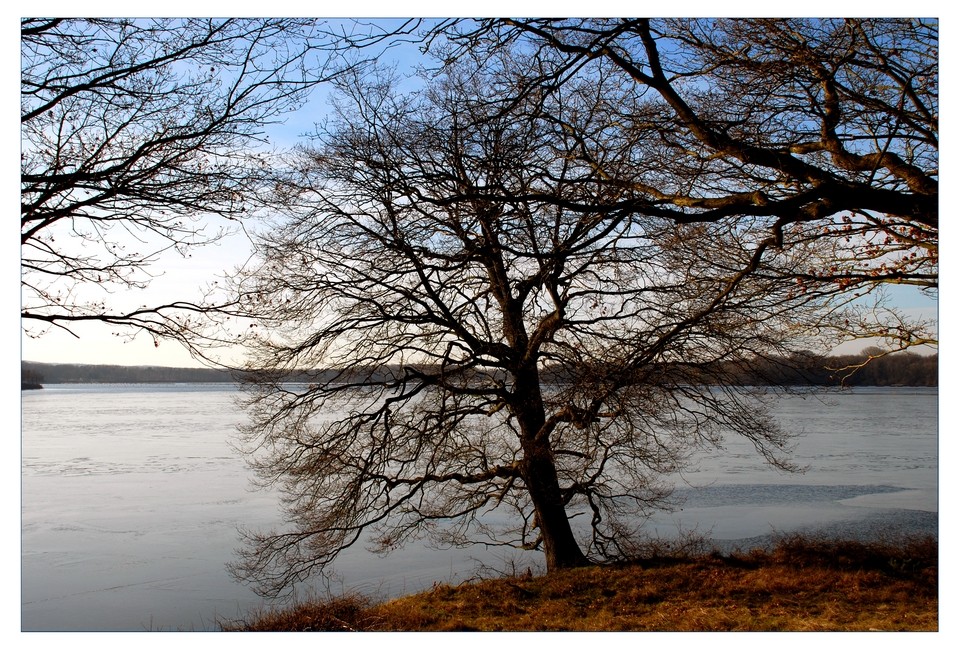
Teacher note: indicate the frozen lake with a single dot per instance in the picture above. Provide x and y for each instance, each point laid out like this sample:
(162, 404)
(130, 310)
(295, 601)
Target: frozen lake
(132, 496)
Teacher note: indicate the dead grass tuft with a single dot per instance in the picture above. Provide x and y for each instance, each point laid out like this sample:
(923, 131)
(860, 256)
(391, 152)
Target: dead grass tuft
(348, 613)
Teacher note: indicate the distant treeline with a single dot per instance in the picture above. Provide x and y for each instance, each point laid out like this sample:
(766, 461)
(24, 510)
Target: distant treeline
(61, 373)
(899, 369)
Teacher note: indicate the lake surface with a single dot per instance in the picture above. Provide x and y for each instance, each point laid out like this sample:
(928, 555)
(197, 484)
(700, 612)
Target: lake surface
(132, 496)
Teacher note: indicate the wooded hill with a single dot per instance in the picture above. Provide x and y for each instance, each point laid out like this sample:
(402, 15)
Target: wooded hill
(899, 369)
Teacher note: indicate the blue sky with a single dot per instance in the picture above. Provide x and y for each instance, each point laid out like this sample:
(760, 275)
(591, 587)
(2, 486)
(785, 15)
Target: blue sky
(182, 278)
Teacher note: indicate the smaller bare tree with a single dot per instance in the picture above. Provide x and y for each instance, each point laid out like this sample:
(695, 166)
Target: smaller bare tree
(142, 136)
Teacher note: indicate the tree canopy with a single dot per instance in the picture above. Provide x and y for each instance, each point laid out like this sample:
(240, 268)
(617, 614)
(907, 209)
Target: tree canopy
(539, 272)
(803, 120)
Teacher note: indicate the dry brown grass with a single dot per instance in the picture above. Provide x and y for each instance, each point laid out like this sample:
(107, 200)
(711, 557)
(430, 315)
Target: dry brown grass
(801, 585)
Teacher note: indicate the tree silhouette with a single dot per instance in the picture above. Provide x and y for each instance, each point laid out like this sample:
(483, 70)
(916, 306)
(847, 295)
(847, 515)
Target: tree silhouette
(520, 348)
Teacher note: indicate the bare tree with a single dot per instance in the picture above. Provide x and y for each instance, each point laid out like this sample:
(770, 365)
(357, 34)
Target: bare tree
(514, 349)
(141, 136)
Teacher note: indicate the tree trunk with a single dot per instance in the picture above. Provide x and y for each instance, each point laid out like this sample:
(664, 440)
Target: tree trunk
(539, 472)
(560, 548)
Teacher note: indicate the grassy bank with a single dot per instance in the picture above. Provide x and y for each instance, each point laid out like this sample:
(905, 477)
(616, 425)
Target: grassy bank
(801, 584)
